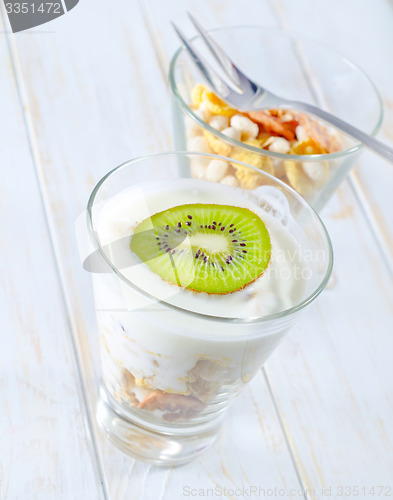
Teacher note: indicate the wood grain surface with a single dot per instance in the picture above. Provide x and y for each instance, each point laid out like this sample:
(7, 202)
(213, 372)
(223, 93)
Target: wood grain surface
(45, 446)
(80, 96)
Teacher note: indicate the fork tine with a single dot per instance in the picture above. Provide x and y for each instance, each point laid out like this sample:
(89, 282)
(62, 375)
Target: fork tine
(233, 73)
(216, 51)
(207, 71)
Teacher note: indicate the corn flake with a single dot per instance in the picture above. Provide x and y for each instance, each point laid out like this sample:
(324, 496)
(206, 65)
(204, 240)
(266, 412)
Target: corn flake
(308, 147)
(258, 161)
(197, 94)
(297, 178)
(216, 106)
(218, 146)
(247, 178)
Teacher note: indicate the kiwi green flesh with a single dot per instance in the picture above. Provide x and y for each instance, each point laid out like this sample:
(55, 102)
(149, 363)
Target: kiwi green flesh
(210, 248)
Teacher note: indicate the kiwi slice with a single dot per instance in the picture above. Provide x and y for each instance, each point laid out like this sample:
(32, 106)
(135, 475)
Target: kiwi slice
(204, 247)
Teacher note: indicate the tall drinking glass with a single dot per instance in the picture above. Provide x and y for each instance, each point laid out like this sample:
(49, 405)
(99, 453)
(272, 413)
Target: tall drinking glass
(173, 359)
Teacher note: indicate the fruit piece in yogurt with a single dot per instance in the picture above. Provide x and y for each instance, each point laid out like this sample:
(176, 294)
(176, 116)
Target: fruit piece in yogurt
(210, 248)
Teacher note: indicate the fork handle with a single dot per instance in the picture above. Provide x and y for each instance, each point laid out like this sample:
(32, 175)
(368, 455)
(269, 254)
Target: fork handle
(377, 146)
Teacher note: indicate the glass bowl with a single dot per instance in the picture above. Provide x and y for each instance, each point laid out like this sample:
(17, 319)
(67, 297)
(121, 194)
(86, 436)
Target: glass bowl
(293, 67)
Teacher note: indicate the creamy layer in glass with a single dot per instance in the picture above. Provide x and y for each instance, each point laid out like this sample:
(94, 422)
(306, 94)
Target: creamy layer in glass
(174, 355)
(174, 359)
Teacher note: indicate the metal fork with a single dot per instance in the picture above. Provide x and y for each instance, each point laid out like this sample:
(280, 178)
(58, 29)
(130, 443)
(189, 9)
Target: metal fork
(247, 95)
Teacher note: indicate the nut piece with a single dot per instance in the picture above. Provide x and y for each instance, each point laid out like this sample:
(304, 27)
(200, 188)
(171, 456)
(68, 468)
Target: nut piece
(279, 145)
(232, 133)
(199, 145)
(164, 401)
(206, 378)
(202, 113)
(204, 390)
(219, 122)
(247, 128)
(216, 170)
(208, 370)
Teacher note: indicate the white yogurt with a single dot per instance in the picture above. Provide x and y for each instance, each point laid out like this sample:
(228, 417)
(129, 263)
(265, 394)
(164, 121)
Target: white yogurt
(160, 345)
(280, 287)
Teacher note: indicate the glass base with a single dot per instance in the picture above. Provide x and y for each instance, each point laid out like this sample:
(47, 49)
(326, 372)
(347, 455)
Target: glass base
(159, 445)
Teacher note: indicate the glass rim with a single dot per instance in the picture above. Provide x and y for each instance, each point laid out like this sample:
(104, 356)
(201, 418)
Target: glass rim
(227, 320)
(282, 156)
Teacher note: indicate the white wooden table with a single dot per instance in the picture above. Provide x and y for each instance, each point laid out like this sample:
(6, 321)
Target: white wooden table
(79, 96)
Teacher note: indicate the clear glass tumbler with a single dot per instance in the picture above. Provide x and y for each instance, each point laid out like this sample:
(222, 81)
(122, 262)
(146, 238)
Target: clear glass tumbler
(172, 359)
(294, 67)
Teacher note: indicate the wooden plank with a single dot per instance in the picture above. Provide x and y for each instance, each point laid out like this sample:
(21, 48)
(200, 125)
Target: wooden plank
(323, 377)
(86, 104)
(340, 415)
(332, 378)
(211, 14)
(94, 109)
(45, 451)
(78, 85)
(365, 37)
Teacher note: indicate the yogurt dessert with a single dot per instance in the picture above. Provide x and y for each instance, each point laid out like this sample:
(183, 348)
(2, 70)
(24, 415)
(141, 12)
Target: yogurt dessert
(198, 265)
(195, 284)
